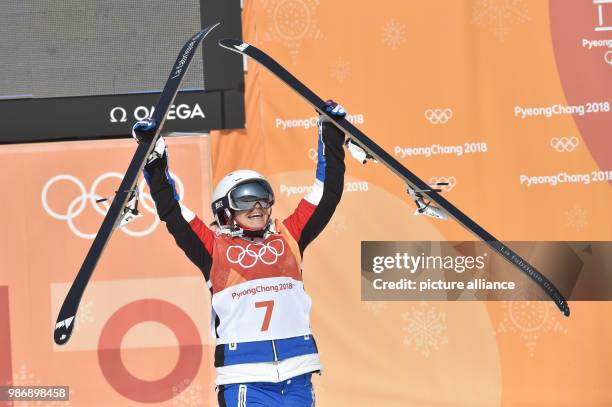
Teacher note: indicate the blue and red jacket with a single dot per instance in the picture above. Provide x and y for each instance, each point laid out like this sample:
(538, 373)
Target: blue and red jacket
(260, 309)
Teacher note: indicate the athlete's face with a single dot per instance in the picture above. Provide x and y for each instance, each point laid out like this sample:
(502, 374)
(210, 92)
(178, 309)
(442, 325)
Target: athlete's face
(255, 218)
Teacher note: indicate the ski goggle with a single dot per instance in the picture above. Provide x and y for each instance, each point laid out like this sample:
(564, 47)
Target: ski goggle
(244, 196)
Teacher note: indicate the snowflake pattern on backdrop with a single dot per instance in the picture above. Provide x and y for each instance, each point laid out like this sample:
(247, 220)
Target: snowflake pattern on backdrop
(425, 328)
(84, 316)
(25, 377)
(530, 319)
(577, 218)
(291, 22)
(186, 395)
(374, 307)
(340, 69)
(394, 34)
(499, 15)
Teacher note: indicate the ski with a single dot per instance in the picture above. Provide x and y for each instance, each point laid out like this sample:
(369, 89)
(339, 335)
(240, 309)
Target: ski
(413, 182)
(118, 212)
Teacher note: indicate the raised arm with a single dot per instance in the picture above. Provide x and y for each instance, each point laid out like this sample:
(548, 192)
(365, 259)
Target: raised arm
(316, 209)
(189, 232)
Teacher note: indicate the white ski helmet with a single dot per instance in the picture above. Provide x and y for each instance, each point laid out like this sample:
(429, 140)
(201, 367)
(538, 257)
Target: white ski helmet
(222, 202)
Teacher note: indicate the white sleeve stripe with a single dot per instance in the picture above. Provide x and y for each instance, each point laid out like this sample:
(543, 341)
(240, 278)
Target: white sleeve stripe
(315, 194)
(188, 215)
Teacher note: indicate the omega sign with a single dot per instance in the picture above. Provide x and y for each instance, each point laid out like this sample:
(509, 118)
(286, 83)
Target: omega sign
(183, 111)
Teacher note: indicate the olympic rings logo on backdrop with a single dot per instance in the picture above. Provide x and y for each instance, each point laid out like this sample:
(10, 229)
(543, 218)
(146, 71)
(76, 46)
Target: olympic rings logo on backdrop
(313, 154)
(268, 253)
(78, 204)
(451, 181)
(562, 144)
(438, 116)
(608, 57)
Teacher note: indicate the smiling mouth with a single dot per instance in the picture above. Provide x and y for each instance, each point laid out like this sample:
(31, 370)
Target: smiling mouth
(256, 215)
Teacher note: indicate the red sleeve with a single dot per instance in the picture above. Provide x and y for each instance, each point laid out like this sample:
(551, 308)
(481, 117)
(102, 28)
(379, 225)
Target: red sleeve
(203, 232)
(297, 220)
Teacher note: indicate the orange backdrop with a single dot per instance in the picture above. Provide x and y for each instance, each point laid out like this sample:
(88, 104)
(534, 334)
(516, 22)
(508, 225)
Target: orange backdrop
(143, 324)
(521, 87)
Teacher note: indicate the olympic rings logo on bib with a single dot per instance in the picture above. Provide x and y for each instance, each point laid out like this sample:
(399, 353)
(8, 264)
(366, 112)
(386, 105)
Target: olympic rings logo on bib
(268, 253)
(78, 204)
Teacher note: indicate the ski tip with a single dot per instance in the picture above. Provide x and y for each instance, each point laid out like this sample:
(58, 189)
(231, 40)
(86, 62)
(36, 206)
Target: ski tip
(204, 31)
(233, 44)
(63, 330)
(563, 306)
(211, 27)
(566, 311)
